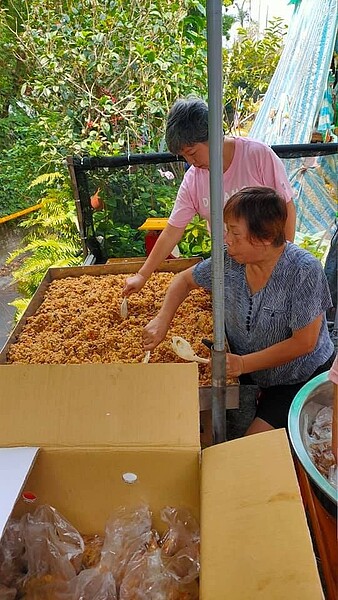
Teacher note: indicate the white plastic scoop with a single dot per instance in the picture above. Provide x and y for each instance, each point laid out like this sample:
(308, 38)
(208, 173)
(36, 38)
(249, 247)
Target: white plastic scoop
(183, 349)
(124, 308)
(146, 357)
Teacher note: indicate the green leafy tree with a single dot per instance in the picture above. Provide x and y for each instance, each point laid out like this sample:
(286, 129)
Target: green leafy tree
(11, 69)
(102, 74)
(249, 66)
(52, 237)
(21, 160)
(98, 77)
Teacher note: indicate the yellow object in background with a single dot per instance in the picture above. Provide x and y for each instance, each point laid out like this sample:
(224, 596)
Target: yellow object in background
(20, 213)
(153, 224)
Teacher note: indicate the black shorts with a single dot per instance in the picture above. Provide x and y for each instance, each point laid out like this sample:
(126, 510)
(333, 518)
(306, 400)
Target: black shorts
(273, 403)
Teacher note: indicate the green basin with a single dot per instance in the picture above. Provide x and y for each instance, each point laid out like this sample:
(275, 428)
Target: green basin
(317, 391)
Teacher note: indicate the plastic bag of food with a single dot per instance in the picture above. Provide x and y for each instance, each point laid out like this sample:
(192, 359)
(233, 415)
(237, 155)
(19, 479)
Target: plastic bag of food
(184, 566)
(92, 551)
(52, 545)
(322, 426)
(318, 440)
(43, 587)
(90, 584)
(181, 544)
(93, 584)
(7, 593)
(183, 530)
(12, 563)
(147, 578)
(127, 531)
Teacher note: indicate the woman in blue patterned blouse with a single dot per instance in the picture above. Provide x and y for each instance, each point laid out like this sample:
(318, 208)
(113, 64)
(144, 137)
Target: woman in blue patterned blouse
(276, 297)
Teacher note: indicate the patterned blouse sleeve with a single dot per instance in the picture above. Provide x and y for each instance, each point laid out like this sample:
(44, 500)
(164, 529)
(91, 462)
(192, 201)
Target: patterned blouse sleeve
(310, 296)
(202, 274)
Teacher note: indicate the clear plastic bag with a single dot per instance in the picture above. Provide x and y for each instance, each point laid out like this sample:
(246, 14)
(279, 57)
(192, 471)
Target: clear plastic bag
(53, 550)
(92, 551)
(183, 530)
(90, 584)
(318, 442)
(181, 544)
(147, 578)
(7, 593)
(322, 426)
(12, 563)
(127, 531)
(43, 587)
(184, 566)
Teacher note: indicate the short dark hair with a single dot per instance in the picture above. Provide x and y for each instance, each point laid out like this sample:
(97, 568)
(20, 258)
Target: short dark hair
(187, 124)
(263, 210)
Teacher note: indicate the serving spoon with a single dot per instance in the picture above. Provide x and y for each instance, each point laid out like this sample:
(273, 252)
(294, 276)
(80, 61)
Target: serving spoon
(183, 349)
(146, 357)
(124, 308)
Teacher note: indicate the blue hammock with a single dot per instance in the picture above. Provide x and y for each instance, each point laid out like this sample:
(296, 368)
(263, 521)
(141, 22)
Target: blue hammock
(288, 114)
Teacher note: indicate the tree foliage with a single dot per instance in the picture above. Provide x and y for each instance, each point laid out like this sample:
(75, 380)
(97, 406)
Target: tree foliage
(249, 65)
(98, 77)
(21, 160)
(11, 70)
(102, 73)
(52, 237)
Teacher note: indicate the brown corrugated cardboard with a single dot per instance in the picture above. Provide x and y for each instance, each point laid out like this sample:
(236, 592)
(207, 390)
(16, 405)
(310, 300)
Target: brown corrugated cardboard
(100, 404)
(87, 485)
(253, 526)
(255, 542)
(112, 267)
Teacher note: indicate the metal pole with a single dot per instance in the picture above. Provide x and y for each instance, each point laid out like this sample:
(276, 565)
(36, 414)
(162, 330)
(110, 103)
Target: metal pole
(79, 210)
(215, 85)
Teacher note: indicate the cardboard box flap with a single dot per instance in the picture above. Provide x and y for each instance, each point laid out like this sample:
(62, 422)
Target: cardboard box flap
(15, 466)
(255, 540)
(133, 405)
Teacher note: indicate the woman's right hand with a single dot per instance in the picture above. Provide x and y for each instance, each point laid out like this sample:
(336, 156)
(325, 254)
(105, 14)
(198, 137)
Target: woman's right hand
(133, 284)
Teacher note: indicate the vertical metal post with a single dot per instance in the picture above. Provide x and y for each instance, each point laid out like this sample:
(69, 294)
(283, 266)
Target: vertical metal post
(90, 244)
(215, 86)
(79, 212)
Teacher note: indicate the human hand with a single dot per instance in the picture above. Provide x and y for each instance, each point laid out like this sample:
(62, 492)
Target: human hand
(234, 365)
(133, 284)
(154, 333)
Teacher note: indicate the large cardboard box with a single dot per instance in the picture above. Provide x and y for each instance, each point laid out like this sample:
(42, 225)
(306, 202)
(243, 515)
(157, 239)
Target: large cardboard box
(95, 423)
(116, 267)
(119, 266)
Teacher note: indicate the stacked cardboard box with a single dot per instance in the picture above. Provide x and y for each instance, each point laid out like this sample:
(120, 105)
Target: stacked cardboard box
(95, 423)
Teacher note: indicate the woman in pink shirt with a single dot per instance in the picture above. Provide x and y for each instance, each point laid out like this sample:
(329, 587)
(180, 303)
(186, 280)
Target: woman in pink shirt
(246, 163)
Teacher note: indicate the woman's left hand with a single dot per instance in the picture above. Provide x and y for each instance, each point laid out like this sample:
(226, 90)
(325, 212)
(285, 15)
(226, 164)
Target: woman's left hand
(234, 365)
(154, 332)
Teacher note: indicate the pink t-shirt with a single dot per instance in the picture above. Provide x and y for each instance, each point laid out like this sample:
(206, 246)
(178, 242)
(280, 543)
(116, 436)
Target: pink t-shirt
(333, 372)
(253, 164)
